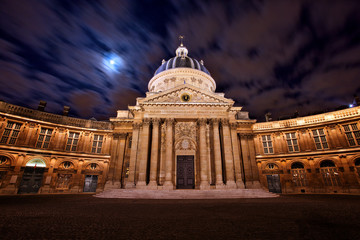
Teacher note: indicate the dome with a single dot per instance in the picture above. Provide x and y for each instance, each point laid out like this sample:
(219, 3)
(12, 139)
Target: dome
(182, 61)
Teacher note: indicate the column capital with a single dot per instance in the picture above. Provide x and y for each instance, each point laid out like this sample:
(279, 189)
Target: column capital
(119, 135)
(136, 125)
(224, 122)
(170, 121)
(156, 121)
(215, 121)
(202, 121)
(146, 121)
(233, 125)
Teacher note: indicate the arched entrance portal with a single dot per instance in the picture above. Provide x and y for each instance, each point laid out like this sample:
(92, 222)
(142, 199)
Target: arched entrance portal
(32, 177)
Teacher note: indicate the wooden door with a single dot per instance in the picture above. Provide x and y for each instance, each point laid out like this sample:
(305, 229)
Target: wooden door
(90, 183)
(185, 178)
(31, 180)
(274, 183)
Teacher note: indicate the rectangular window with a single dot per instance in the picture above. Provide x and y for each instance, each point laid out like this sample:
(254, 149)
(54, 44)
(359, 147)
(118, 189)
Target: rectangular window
(292, 142)
(11, 133)
(97, 144)
(72, 141)
(352, 134)
(44, 138)
(320, 139)
(267, 144)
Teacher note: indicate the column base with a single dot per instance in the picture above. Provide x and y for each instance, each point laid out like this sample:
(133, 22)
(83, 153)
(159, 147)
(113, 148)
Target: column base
(129, 185)
(141, 185)
(240, 184)
(112, 185)
(75, 189)
(220, 185)
(230, 185)
(253, 184)
(45, 189)
(168, 185)
(152, 185)
(204, 185)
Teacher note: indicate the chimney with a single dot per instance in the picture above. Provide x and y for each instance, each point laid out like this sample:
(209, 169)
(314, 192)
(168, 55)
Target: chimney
(42, 105)
(66, 110)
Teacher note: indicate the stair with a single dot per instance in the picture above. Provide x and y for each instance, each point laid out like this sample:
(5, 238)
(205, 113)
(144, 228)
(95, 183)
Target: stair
(186, 194)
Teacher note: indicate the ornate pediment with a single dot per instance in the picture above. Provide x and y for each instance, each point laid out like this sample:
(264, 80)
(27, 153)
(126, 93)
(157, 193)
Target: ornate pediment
(186, 94)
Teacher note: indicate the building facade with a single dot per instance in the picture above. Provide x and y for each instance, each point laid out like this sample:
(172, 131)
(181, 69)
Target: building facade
(181, 135)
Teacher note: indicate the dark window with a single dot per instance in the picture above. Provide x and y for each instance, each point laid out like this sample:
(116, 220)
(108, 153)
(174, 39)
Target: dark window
(327, 163)
(11, 133)
(297, 165)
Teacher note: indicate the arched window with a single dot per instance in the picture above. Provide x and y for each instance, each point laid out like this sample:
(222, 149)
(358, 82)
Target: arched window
(67, 165)
(93, 166)
(330, 173)
(36, 163)
(327, 163)
(272, 166)
(298, 174)
(297, 165)
(4, 160)
(357, 162)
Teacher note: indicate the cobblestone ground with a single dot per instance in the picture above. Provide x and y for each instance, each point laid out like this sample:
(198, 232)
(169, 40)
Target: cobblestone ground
(87, 217)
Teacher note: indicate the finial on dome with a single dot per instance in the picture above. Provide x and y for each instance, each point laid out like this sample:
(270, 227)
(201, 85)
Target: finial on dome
(201, 62)
(163, 61)
(181, 51)
(181, 38)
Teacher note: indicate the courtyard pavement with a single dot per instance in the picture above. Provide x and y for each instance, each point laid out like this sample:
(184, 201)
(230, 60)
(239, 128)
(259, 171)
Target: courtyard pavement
(87, 217)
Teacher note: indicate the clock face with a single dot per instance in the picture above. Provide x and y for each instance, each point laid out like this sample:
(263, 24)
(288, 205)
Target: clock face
(185, 97)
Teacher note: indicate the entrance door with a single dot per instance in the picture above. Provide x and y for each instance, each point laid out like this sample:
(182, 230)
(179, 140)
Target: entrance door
(90, 183)
(185, 172)
(274, 183)
(32, 179)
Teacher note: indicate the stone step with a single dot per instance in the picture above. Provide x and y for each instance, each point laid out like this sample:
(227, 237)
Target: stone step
(185, 194)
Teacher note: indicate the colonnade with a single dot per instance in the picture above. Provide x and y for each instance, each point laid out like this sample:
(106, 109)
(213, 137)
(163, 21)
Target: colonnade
(147, 159)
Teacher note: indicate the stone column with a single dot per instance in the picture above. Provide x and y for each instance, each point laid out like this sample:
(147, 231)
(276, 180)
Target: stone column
(154, 154)
(130, 182)
(217, 154)
(235, 147)
(204, 184)
(48, 176)
(229, 161)
(143, 153)
(168, 184)
(114, 156)
(120, 158)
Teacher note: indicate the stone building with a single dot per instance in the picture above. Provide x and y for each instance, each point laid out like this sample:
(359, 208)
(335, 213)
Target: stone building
(181, 135)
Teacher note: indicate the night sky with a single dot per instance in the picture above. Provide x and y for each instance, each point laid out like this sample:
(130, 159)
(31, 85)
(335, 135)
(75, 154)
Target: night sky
(277, 56)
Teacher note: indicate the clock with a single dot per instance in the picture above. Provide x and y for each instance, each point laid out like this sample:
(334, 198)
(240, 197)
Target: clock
(185, 97)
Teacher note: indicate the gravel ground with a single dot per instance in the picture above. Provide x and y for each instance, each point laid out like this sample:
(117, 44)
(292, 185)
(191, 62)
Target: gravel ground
(87, 217)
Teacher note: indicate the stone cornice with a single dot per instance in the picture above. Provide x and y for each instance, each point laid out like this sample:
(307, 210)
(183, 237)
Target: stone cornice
(309, 154)
(329, 118)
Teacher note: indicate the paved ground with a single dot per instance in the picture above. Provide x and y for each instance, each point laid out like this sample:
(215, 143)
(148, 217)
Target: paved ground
(87, 217)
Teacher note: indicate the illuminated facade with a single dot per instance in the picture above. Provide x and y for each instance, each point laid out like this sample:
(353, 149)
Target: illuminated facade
(182, 135)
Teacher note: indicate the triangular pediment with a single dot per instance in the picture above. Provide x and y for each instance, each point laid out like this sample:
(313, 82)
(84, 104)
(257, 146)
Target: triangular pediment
(186, 94)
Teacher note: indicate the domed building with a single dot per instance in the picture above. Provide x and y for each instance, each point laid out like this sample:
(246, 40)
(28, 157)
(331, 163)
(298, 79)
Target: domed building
(181, 135)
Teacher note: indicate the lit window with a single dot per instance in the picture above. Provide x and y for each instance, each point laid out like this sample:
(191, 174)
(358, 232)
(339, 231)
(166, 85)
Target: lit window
(44, 138)
(267, 144)
(11, 133)
(272, 166)
(352, 134)
(320, 139)
(330, 173)
(298, 174)
(72, 141)
(67, 165)
(292, 142)
(97, 144)
(93, 166)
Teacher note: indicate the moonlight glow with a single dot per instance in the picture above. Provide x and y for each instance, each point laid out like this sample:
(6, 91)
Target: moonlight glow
(113, 62)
